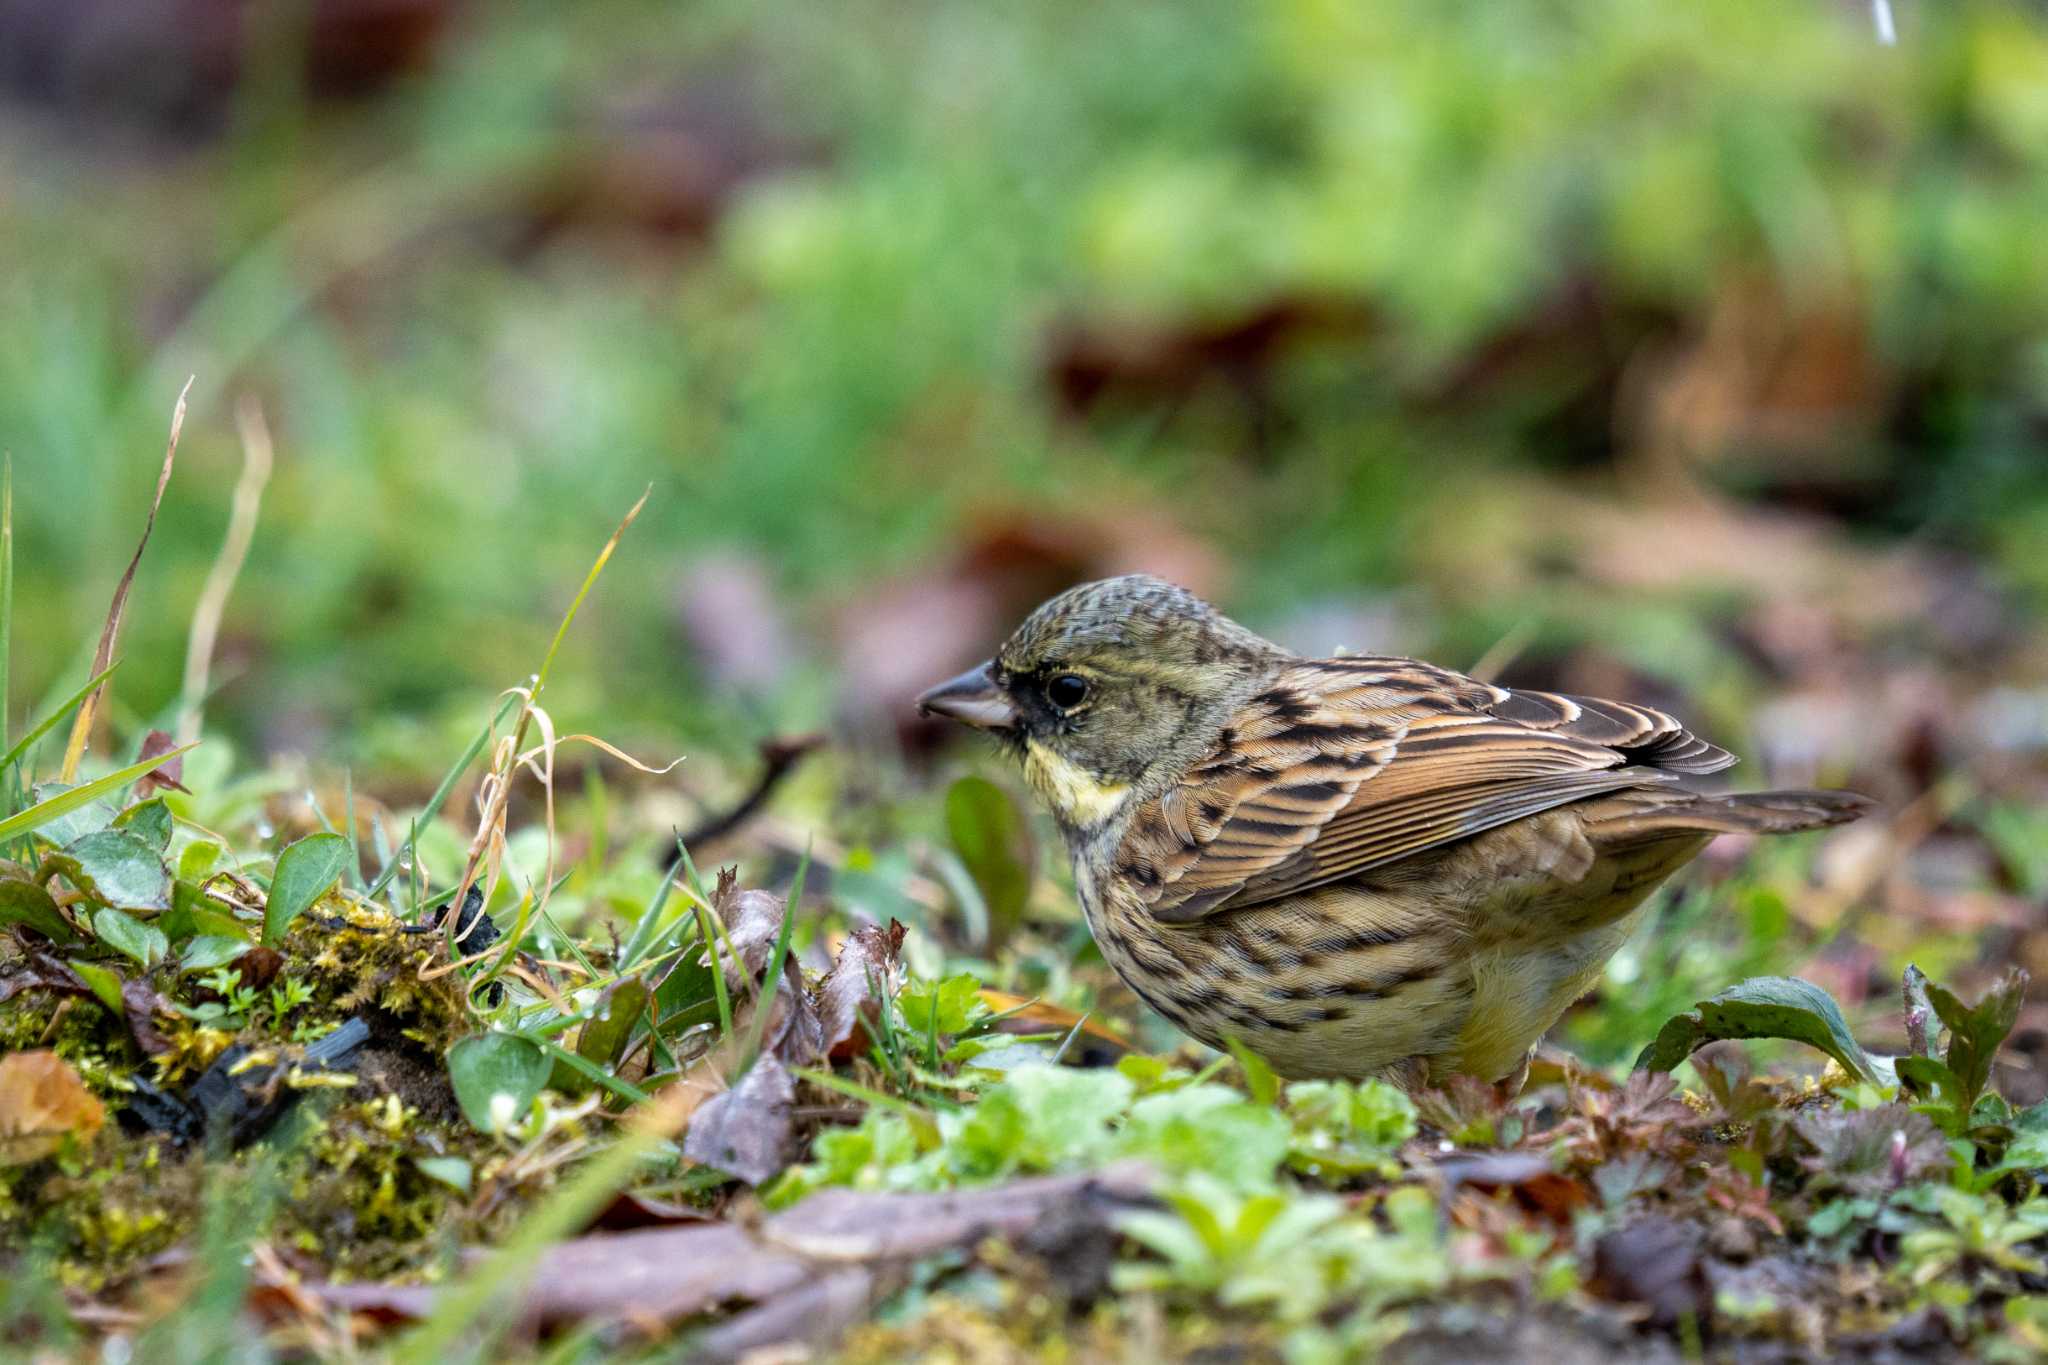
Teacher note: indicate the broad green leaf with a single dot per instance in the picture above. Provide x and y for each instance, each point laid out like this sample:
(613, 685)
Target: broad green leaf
(105, 984)
(27, 902)
(115, 867)
(1762, 1007)
(993, 838)
(129, 936)
(150, 821)
(1042, 1118)
(687, 995)
(198, 859)
(1369, 1113)
(192, 915)
(76, 824)
(496, 1077)
(72, 798)
(208, 951)
(605, 1032)
(1930, 1080)
(306, 871)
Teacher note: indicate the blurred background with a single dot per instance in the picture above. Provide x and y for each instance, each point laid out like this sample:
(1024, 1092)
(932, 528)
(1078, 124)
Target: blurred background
(1697, 355)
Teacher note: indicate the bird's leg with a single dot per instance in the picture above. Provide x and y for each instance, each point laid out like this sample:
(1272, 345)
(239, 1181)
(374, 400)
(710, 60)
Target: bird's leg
(1410, 1073)
(1510, 1085)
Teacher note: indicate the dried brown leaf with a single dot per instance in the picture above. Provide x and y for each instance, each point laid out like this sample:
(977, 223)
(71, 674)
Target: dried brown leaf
(42, 1102)
(168, 777)
(745, 1131)
(865, 971)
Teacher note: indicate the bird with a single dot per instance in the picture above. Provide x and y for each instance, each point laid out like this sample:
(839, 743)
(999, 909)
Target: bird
(1356, 866)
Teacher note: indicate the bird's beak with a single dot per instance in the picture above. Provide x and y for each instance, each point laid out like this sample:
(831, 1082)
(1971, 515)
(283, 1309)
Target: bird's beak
(973, 699)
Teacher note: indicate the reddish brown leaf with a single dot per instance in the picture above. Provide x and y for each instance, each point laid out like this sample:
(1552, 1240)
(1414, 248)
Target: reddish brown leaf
(169, 776)
(864, 972)
(140, 1003)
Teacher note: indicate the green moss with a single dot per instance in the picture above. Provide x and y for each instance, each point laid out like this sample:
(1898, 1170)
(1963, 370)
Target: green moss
(346, 1158)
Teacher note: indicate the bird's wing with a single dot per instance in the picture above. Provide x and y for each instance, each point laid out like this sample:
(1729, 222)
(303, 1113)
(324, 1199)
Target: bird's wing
(1348, 764)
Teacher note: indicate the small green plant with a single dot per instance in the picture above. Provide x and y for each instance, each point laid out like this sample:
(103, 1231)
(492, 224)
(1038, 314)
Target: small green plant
(233, 1002)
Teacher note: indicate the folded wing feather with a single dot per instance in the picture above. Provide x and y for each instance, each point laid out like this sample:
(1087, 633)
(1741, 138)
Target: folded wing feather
(1349, 764)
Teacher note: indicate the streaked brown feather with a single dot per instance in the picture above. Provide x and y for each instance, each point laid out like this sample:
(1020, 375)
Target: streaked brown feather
(1346, 765)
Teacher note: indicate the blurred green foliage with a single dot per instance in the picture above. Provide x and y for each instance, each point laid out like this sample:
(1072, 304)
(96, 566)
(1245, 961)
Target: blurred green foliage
(473, 370)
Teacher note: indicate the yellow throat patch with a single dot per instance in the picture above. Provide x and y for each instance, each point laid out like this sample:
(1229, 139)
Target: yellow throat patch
(1076, 797)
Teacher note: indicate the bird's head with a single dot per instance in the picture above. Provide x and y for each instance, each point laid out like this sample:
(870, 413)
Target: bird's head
(1109, 692)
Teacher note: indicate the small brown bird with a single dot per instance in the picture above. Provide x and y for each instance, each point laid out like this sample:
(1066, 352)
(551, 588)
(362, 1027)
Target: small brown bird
(1354, 866)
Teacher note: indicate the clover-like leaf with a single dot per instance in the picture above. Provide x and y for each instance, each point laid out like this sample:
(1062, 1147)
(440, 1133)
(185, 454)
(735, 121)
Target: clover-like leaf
(115, 867)
(1763, 1007)
(947, 1006)
(306, 871)
(150, 821)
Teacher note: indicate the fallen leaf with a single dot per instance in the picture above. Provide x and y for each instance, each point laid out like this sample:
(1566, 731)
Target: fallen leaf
(168, 777)
(865, 971)
(140, 1004)
(1655, 1263)
(42, 1102)
(664, 1275)
(745, 1131)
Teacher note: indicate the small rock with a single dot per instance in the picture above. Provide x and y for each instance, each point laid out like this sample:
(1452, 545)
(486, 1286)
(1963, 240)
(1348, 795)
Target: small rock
(1732, 1239)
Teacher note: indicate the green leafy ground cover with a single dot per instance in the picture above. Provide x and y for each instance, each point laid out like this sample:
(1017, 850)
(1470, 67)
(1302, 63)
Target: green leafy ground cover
(638, 1046)
(1629, 350)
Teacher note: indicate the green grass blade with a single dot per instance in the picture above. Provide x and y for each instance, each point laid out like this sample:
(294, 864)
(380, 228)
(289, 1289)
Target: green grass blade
(540, 679)
(440, 796)
(712, 931)
(54, 719)
(582, 1065)
(64, 802)
(648, 928)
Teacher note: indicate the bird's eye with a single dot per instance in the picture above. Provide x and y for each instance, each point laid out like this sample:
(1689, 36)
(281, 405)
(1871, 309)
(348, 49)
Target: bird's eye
(1066, 690)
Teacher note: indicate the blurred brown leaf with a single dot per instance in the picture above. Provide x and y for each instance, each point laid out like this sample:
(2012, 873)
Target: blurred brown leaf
(42, 1102)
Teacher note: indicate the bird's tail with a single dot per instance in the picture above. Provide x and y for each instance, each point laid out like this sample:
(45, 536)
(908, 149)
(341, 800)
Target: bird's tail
(1786, 812)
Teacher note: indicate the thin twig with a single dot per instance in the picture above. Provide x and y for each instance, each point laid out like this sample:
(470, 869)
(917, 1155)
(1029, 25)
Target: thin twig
(779, 758)
(227, 566)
